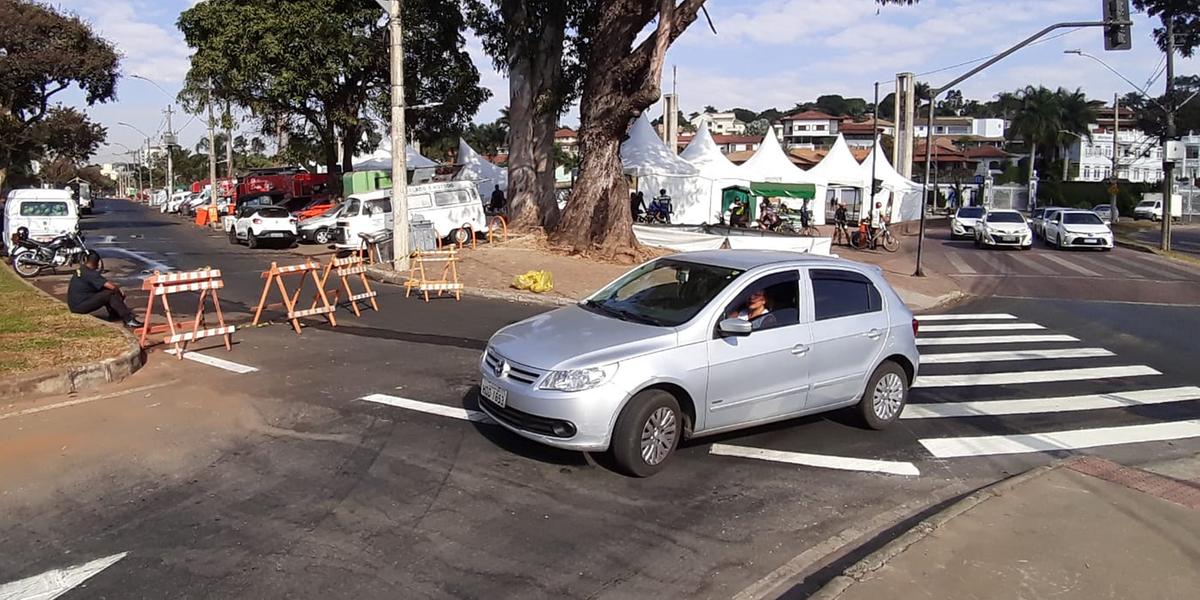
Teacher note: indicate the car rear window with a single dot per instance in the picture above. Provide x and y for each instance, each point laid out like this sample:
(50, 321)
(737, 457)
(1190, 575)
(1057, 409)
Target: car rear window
(970, 212)
(838, 293)
(273, 212)
(452, 197)
(49, 208)
(1081, 218)
(1005, 217)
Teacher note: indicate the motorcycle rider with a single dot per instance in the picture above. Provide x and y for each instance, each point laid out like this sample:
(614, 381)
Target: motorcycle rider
(89, 291)
(660, 207)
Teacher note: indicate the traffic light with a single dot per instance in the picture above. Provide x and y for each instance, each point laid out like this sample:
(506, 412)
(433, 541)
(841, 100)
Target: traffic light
(1117, 37)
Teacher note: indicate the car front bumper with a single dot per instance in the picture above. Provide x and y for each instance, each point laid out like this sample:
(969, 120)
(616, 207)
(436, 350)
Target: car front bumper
(532, 413)
(959, 229)
(1083, 240)
(1018, 240)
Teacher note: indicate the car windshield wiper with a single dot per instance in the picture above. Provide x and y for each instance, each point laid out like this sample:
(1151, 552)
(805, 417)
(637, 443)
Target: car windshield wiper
(624, 315)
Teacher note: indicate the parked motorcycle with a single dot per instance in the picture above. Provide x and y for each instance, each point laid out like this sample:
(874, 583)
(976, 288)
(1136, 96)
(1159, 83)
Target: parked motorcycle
(31, 257)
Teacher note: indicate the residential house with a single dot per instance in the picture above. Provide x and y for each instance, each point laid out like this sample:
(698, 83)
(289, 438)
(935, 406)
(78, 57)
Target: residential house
(1139, 156)
(719, 123)
(567, 139)
(964, 129)
(1190, 169)
(991, 160)
(947, 157)
(862, 134)
(810, 129)
(726, 143)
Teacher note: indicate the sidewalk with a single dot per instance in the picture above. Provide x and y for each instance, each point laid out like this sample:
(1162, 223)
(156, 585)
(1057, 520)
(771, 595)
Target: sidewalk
(1085, 529)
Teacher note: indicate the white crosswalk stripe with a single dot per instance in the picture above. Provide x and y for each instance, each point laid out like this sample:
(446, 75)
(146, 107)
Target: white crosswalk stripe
(980, 340)
(1060, 440)
(966, 317)
(1028, 406)
(1026, 377)
(972, 357)
(981, 327)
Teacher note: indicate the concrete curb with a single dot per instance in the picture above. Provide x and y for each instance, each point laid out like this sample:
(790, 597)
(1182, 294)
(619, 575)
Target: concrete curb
(389, 276)
(77, 378)
(876, 560)
(1151, 249)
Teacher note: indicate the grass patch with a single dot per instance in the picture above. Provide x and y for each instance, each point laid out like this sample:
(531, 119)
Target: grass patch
(37, 332)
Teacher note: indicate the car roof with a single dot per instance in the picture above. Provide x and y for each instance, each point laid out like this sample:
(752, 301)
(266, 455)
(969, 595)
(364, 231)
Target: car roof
(1003, 210)
(1077, 210)
(40, 194)
(750, 259)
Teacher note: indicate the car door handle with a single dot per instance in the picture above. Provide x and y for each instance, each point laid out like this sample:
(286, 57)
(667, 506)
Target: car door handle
(873, 334)
(799, 349)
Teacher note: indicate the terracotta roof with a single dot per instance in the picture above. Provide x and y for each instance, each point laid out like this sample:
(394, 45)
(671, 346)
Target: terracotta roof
(499, 159)
(863, 127)
(986, 152)
(565, 132)
(738, 158)
(806, 158)
(811, 115)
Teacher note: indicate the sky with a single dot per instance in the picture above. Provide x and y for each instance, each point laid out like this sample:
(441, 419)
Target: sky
(766, 53)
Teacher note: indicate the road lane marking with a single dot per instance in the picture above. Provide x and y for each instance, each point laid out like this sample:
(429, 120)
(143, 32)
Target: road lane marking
(429, 408)
(965, 317)
(977, 340)
(1002, 355)
(981, 327)
(1070, 265)
(56, 582)
(1105, 263)
(992, 262)
(1029, 406)
(841, 463)
(1160, 264)
(989, 445)
(1020, 377)
(151, 264)
(958, 263)
(1029, 261)
(213, 361)
(77, 401)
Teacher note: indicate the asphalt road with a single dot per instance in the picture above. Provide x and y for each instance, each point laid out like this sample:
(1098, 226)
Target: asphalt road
(287, 481)
(1185, 237)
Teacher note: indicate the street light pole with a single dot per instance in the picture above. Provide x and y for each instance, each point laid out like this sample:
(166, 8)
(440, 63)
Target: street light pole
(1112, 190)
(212, 154)
(400, 246)
(1168, 165)
(169, 139)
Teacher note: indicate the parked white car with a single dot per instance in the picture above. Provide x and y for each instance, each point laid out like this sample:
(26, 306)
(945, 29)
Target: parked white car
(1105, 211)
(1039, 225)
(257, 224)
(1003, 228)
(962, 224)
(1078, 228)
(47, 214)
(319, 229)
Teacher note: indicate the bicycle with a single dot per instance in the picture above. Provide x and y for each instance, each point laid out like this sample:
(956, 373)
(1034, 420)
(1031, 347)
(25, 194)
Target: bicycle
(841, 235)
(882, 236)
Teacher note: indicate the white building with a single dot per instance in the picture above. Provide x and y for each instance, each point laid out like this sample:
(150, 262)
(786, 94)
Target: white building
(720, 123)
(1190, 169)
(957, 127)
(810, 129)
(1139, 157)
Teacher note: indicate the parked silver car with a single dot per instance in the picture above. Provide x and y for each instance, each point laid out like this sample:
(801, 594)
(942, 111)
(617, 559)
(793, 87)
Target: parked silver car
(700, 343)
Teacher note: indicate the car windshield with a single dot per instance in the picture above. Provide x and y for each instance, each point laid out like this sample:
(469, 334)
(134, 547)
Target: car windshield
(1081, 218)
(970, 212)
(273, 212)
(665, 292)
(1005, 217)
(1147, 203)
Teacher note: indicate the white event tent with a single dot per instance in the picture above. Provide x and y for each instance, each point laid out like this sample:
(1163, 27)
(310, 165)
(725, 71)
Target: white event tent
(645, 157)
(483, 172)
(770, 164)
(902, 194)
(381, 160)
(842, 173)
(716, 173)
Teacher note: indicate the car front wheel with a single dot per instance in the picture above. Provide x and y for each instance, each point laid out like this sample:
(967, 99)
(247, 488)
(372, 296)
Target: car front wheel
(885, 396)
(647, 433)
(321, 236)
(233, 236)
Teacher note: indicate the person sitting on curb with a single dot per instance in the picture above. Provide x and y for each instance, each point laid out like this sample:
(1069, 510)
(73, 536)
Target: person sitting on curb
(89, 291)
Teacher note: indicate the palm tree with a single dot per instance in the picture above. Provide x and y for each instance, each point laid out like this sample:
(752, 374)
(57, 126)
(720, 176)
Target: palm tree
(1007, 104)
(1037, 121)
(1076, 114)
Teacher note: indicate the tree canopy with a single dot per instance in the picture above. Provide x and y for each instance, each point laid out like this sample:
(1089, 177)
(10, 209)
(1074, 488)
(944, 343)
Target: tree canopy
(45, 53)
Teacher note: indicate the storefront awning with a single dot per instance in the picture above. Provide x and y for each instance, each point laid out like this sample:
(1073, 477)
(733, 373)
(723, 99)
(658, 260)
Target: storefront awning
(781, 190)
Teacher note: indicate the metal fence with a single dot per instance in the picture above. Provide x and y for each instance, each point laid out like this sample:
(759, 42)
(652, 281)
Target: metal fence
(1014, 197)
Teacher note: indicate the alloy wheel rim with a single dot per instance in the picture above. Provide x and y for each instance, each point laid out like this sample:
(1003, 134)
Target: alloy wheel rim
(658, 435)
(888, 396)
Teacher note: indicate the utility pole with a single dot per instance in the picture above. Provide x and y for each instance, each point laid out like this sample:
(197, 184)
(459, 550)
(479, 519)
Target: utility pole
(170, 141)
(212, 152)
(400, 246)
(1169, 166)
(1112, 188)
(228, 142)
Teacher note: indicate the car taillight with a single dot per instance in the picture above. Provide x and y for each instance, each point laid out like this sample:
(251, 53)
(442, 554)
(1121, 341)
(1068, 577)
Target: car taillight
(256, 221)
(916, 326)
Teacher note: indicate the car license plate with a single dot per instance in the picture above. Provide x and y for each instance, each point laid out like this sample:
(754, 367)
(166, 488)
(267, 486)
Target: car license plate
(497, 395)
(1008, 238)
(1091, 241)
(276, 234)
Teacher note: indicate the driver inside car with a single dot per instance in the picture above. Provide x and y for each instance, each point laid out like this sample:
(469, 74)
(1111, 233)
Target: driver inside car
(754, 309)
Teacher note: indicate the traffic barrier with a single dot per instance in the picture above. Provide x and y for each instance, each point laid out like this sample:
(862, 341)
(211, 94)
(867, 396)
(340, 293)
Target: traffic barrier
(276, 274)
(495, 222)
(343, 268)
(419, 279)
(162, 286)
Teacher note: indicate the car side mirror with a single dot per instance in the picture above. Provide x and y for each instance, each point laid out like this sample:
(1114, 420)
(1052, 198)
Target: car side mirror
(735, 327)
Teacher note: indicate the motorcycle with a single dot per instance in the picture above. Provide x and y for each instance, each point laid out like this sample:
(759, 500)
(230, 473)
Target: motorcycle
(31, 257)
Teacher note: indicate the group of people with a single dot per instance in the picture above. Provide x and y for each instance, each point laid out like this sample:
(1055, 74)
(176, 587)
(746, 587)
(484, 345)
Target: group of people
(659, 209)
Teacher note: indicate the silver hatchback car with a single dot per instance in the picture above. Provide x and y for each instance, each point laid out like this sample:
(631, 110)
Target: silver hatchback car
(700, 343)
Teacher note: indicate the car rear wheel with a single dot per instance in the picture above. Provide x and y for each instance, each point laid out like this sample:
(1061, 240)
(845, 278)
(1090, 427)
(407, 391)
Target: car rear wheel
(251, 240)
(647, 433)
(460, 236)
(885, 396)
(321, 236)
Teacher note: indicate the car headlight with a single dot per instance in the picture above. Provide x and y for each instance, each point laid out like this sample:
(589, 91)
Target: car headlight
(577, 380)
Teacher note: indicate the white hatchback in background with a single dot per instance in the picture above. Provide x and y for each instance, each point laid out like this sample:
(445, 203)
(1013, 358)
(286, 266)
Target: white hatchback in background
(962, 224)
(257, 224)
(1079, 229)
(1003, 228)
(319, 229)
(47, 214)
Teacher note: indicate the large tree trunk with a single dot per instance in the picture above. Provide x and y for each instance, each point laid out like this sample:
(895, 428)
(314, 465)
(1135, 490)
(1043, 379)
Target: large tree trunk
(350, 137)
(3, 177)
(620, 83)
(547, 78)
(522, 169)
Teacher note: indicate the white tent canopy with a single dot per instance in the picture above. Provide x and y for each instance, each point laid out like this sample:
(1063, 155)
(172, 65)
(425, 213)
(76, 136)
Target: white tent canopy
(903, 193)
(643, 153)
(480, 170)
(381, 160)
(839, 166)
(771, 164)
(716, 173)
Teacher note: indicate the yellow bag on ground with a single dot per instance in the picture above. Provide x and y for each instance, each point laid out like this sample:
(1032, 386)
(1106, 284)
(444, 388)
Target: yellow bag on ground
(535, 281)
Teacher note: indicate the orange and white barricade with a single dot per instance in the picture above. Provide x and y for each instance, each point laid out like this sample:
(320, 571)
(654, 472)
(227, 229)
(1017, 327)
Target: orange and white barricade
(162, 285)
(447, 282)
(306, 270)
(345, 268)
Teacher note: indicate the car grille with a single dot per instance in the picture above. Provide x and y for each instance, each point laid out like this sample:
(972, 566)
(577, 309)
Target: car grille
(527, 422)
(503, 368)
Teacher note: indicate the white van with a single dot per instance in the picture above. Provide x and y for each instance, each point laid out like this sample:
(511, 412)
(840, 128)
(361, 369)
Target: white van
(450, 206)
(1151, 207)
(46, 213)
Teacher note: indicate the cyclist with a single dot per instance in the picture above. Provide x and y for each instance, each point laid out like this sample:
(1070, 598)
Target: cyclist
(840, 218)
(660, 207)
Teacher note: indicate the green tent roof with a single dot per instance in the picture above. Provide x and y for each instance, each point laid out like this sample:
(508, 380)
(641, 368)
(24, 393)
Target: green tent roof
(781, 190)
